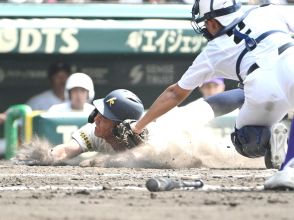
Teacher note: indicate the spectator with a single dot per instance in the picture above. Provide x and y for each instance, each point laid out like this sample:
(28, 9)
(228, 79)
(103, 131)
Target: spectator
(79, 88)
(212, 87)
(57, 75)
(2, 117)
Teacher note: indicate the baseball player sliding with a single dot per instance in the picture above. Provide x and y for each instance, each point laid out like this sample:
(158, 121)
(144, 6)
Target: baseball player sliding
(97, 135)
(256, 48)
(109, 134)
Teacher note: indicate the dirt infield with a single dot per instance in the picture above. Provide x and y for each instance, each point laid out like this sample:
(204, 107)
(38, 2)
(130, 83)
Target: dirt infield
(103, 193)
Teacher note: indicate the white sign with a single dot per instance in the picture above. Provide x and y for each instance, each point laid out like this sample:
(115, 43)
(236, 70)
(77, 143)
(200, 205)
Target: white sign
(169, 41)
(66, 131)
(31, 40)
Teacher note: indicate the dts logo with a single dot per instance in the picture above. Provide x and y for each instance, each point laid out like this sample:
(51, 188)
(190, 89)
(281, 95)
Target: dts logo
(31, 40)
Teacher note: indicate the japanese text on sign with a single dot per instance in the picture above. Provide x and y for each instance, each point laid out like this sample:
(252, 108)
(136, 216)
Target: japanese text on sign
(168, 41)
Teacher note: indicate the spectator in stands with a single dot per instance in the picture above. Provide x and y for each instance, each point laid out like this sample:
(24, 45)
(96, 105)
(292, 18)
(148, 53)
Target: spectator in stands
(2, 117)
(212, 87)
(79, 89)
(57, 75)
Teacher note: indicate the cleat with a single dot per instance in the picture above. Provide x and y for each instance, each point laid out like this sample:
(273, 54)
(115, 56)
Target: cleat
(282, 180)
(278, 144)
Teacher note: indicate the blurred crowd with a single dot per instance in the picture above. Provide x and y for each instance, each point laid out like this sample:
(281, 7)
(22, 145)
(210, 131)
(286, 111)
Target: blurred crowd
(68, 92)
(74, 92)
(256, 2)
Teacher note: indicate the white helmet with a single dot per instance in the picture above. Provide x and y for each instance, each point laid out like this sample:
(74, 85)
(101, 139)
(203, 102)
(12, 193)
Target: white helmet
(80, 80)
(225, 11)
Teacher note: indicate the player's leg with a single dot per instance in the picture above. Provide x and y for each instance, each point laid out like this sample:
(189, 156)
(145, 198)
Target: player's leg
(226, 102)
(284, 178)
(202, 110)
(265, 104)
(284, 73)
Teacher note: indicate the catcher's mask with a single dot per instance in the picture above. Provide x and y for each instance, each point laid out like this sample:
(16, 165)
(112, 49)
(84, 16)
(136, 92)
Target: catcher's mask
(118, 105)
(204, 10)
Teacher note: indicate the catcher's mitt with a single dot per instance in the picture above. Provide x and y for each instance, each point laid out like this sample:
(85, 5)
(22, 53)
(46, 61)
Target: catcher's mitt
(124, 133)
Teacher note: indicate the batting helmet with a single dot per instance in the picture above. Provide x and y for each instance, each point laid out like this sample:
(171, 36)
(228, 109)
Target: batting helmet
(119, 105)
(80, 80)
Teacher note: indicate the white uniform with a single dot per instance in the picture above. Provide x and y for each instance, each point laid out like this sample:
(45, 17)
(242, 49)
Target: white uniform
(269, 90)
(66, 107)
(44, 101)
(89, 142)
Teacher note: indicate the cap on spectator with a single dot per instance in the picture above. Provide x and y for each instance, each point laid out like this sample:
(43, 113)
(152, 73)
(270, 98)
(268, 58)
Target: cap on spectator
(218, 81)
(56, 67)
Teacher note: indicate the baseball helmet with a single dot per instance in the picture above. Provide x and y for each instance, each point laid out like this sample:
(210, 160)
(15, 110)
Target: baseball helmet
(225, 11)
(80, 80)
(119, 105)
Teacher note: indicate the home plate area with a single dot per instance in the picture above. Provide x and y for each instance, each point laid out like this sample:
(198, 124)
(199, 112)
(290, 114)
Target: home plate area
(67, 192)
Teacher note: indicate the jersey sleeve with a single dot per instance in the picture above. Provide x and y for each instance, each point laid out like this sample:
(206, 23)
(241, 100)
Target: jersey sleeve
(86, 138)
(197, 73)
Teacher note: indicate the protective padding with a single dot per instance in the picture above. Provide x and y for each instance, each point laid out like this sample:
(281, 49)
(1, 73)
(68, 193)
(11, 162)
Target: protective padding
(251, 141)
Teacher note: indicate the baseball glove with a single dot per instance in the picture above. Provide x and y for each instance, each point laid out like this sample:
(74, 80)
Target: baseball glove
(124, 134)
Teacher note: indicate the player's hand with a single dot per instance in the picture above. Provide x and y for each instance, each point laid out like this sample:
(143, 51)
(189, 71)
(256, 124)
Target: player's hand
(135, 128)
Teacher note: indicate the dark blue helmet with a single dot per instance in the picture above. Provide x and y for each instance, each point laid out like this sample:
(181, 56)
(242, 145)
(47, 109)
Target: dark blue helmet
(119, 105)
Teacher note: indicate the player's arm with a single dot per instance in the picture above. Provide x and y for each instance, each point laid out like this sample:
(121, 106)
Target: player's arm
(66, 151)
(170, 98)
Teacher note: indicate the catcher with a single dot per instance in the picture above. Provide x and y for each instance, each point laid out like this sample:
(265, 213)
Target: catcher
(107, 132)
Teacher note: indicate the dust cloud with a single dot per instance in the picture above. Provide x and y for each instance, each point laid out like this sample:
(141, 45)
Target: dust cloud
(182, 139)
(35, 152)
(179, 139)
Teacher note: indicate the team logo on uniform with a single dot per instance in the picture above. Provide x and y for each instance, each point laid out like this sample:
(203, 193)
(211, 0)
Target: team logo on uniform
(111, 101)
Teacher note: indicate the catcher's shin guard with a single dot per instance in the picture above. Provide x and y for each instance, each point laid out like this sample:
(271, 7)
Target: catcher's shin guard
(251, 141)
